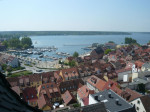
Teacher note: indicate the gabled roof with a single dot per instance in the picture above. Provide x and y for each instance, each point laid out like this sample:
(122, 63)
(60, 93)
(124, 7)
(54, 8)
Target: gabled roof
(84, 91)
(68, 97)
(71, 85)
(146, 102)
(30, 93)
(41, 101)
(35, 78)
(16, 89)
(10, 101)
(130, 95)
(96, 82)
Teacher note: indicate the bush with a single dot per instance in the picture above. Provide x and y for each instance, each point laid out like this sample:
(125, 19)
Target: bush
(75, 54)
(76, 105)
(107, 51)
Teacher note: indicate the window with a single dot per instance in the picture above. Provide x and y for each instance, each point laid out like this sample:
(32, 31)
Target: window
(47, 86)
(43, 87)
(137, 108)
(138, 102)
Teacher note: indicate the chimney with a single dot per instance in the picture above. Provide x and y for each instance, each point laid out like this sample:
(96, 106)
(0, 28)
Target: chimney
(117, 101)
(109, 94)
(86, 90)
(96, 98)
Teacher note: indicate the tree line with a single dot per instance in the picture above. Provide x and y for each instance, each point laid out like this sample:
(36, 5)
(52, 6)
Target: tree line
(16, 43)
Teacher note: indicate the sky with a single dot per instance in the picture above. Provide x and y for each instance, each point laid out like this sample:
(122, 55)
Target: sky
(75, 15)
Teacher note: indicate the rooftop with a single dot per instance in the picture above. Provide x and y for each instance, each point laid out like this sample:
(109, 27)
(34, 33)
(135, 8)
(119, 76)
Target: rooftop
(112, 101)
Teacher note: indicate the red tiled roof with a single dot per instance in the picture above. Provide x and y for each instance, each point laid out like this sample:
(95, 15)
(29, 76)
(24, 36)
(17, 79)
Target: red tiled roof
(130, 95)
(139, 64)
(123, 70)
(85, 101)
(41, 101)
(67, 97)
(30, 93)
(49, 88)
(70, 72)
(35, 78)
(16, 89)
(84, 91)
(96, 82)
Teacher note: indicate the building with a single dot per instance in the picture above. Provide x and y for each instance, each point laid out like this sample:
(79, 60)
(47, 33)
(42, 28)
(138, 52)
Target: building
(112, 101)
(35, 80)
(68, 74)
(47, 77)
(124, 74)
(68, 98)
(129, 94)
(9, 60)
(137, 66)
(30, 96)
(48, 94)
(10, 101)
(95, 83)
(71, 85)
(83, 95)
(97, 53)
(98, 107)
(142, 104)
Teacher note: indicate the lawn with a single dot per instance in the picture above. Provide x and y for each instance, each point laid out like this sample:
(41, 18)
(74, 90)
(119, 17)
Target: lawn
(20, 74)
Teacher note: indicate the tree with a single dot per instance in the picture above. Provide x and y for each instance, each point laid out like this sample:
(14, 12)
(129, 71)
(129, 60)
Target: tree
(75, 54)
(72, 63)
(111, 42)
(5, 43)
(129, 40)
(107, 51)
(26, 46)
(26, 41)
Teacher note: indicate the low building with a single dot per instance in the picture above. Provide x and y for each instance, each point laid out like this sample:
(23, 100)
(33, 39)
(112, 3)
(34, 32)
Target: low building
(9, 60)
(68, 98)
(124, 74)
(48, 94)
(10, 100)
(95, 83)
(71, 85)
(83, 95)
(47, 77)
(97, 53)
(35, 80)
(130, 95)
(142, 104)
(112, 101)
(68, 74)
(30, 96)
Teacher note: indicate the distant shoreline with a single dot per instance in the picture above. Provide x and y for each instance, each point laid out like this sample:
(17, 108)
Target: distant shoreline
(61, 33)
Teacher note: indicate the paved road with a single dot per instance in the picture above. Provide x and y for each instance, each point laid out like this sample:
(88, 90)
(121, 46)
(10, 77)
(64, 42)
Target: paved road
(35, 69)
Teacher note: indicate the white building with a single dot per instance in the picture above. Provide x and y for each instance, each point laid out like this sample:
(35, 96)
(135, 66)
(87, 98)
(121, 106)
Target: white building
(142, 104)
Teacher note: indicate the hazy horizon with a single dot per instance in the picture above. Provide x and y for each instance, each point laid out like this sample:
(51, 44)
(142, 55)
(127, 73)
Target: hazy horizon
(75, 15)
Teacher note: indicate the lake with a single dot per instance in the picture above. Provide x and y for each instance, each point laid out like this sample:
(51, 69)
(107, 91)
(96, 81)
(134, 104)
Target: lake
(73, 43)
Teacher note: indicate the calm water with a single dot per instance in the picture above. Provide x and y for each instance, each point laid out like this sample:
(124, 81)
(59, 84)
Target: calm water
(70, 44)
